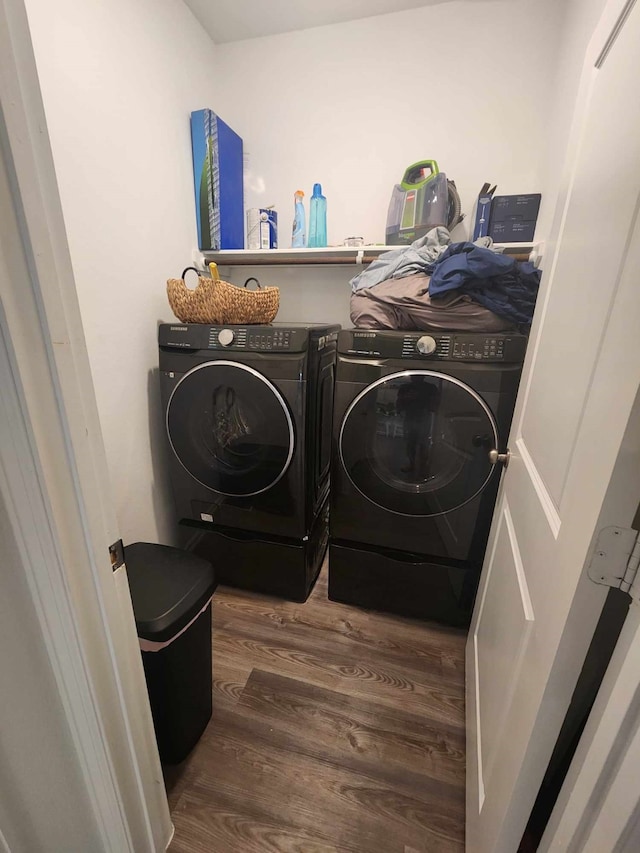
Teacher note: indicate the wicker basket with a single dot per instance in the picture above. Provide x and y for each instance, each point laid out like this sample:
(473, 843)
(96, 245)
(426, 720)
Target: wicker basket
(220, 302)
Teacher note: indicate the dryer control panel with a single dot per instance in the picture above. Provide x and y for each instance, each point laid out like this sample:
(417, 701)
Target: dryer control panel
(434, 346)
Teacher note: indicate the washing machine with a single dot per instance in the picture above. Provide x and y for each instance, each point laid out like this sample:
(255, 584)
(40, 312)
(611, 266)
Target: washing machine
(248, 420)
(420, 422)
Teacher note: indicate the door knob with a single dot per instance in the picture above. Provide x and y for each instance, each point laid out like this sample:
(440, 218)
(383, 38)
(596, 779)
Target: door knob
(504, 458)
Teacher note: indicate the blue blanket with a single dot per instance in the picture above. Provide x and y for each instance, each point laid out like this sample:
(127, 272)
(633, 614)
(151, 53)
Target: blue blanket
(503, 285)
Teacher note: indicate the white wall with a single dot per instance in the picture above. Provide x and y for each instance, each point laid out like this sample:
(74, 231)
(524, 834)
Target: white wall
(352, 105)
(119, 80)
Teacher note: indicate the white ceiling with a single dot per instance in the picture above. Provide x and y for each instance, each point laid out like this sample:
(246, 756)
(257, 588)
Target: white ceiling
(234, 20)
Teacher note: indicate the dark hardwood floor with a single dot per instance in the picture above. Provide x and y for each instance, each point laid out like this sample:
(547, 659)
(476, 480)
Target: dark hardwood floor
(334, 729)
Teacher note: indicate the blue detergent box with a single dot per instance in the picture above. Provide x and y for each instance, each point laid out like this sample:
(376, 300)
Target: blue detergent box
(217, 171)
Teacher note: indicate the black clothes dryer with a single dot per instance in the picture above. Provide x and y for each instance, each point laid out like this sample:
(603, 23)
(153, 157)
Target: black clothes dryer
(417, 421)
(248, 416)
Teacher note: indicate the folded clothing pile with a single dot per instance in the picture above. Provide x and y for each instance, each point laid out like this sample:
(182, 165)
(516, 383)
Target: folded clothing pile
(436, 284)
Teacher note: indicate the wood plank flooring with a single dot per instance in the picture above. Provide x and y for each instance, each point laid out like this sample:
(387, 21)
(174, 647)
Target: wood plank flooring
(334, 729)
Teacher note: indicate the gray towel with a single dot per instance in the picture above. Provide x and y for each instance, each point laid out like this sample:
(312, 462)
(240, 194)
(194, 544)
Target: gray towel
(405, 260)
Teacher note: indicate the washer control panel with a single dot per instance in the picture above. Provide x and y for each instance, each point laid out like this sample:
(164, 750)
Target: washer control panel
(294, 338)
(272, 339)
(254, 338)
(434, 346)
(266, 339)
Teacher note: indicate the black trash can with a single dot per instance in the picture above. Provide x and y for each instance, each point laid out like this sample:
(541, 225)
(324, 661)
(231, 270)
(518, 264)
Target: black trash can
(171, 592)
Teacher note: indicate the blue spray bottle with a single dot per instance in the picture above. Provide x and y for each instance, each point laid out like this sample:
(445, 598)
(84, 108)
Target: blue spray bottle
(299, 236)
(317, 218)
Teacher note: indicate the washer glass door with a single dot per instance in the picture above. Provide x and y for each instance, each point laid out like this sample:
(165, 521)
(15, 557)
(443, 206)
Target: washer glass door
(418, 442)
(230, 428)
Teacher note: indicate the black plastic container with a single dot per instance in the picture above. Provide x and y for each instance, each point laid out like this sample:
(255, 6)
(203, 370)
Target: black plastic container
(171, 592)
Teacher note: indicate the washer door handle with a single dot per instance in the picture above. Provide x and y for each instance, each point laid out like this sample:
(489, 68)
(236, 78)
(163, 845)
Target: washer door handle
(503, 458)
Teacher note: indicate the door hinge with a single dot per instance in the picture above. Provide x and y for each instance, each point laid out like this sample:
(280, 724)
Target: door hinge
(116, 552)
(616, 558)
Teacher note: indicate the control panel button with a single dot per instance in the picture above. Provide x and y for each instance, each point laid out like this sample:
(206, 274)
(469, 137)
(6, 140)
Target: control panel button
(225, 337)
(426, 345)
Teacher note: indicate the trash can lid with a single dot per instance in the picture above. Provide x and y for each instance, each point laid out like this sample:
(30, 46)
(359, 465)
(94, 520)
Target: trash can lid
(169, 586)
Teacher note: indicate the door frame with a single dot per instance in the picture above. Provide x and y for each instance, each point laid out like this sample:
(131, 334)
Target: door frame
(599, 805)
(58, 497)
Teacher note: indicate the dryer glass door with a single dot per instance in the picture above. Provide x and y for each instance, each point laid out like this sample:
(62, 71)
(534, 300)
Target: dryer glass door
(230, 428)
(418, 442)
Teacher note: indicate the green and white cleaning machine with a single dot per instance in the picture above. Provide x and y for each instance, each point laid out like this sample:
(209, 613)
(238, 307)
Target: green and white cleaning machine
(421, 201)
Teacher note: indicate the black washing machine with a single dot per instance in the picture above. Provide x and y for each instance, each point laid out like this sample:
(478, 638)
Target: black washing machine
(417, 423)
(248, 416)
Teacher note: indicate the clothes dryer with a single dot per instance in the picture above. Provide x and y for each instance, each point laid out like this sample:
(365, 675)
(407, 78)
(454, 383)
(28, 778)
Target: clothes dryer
(419, 421)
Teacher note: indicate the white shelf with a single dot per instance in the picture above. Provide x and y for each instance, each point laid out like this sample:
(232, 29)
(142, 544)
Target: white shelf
(335, 255)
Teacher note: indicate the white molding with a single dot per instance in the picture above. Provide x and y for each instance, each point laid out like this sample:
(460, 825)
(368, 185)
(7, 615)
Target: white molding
(546, 501)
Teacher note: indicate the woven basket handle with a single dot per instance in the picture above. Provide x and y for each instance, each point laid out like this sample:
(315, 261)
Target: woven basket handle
(187, 270)
(253, 279)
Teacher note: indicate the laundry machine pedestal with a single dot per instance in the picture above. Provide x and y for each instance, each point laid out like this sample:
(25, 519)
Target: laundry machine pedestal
(397, 582)
(286, 568)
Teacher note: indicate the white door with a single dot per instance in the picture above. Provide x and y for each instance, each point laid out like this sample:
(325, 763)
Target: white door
(569, 473)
